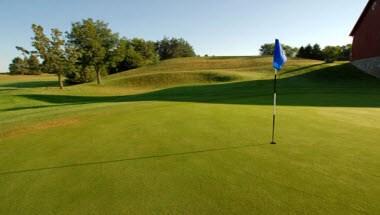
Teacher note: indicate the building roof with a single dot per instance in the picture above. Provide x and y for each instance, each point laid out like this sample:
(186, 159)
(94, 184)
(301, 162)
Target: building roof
(365, 11)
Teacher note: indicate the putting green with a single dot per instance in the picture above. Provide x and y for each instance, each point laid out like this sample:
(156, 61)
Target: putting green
(193, 144)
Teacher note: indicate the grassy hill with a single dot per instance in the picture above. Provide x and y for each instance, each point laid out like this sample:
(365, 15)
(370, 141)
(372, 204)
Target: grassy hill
(191, 136)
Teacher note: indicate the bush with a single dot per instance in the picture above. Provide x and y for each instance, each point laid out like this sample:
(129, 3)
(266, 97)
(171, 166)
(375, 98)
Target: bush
(131, 54)
(174, 48)
(331, 53)
(268, 48)
(27, 66)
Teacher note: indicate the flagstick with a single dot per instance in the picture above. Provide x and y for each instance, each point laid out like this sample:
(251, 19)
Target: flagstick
(274, 105)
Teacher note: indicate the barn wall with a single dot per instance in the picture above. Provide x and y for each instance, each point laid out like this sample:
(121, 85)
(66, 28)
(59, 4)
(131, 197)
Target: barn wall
(366, 42)
(369, 65)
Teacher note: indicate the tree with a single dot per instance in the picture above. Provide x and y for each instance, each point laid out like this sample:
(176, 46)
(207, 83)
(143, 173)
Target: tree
(57, 59)
(28, 65)
(268, 48)
(290, 51)
(96, 43)
(18, 66)
(125, 57)
(90, 49)
(345, 53)
(174, 48)
(301, 52)
(118, 55)
(311, 52)
(308, 52)
(331, 53)
(131, 54)
(34, 67)
(132, 60)
(147, 49)
(24, 52)
(71, 59)
(316, 52)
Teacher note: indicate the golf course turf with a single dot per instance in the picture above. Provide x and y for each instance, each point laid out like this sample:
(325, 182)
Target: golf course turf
(191, 136)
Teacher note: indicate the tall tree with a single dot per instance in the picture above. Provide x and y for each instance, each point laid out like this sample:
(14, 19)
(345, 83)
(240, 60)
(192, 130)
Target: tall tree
(34, 67)
(301, 52)
(71, 67)
(316, 52)
(52, 51)
(96, 42)
(308, 52)
(24, 52)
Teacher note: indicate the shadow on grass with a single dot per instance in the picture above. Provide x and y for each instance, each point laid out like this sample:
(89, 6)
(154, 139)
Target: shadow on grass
(130, 159)
(7, 89)
(301, 68)
(333, 86)
(31, 84)
(39, 107)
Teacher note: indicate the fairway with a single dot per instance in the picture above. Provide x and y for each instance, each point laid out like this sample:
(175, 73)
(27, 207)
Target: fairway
(191, 136)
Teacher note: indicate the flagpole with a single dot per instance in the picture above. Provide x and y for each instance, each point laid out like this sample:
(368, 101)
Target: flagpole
(274, 106)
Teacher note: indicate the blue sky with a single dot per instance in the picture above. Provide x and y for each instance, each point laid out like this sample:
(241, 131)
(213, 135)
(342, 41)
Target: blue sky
(214, 27)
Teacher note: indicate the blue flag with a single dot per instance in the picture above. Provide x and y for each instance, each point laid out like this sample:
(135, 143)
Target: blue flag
(279, 57)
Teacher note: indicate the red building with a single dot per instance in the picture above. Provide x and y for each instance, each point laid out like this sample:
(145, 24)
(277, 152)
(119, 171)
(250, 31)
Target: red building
(366, 39)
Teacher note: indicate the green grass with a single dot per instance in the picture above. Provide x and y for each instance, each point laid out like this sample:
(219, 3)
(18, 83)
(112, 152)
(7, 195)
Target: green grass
(191, 136)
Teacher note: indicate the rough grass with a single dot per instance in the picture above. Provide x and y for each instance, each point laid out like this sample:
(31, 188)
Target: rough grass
(165, 79)
(130, 148)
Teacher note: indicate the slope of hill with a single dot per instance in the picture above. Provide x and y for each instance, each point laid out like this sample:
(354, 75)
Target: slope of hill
(191, 136)
(199, 70)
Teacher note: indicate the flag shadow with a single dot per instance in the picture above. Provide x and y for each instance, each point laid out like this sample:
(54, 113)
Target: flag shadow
(15, 172)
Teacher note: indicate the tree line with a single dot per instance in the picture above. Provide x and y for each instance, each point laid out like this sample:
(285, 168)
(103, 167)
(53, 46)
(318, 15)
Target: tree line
(91, 50)
(329, 53)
